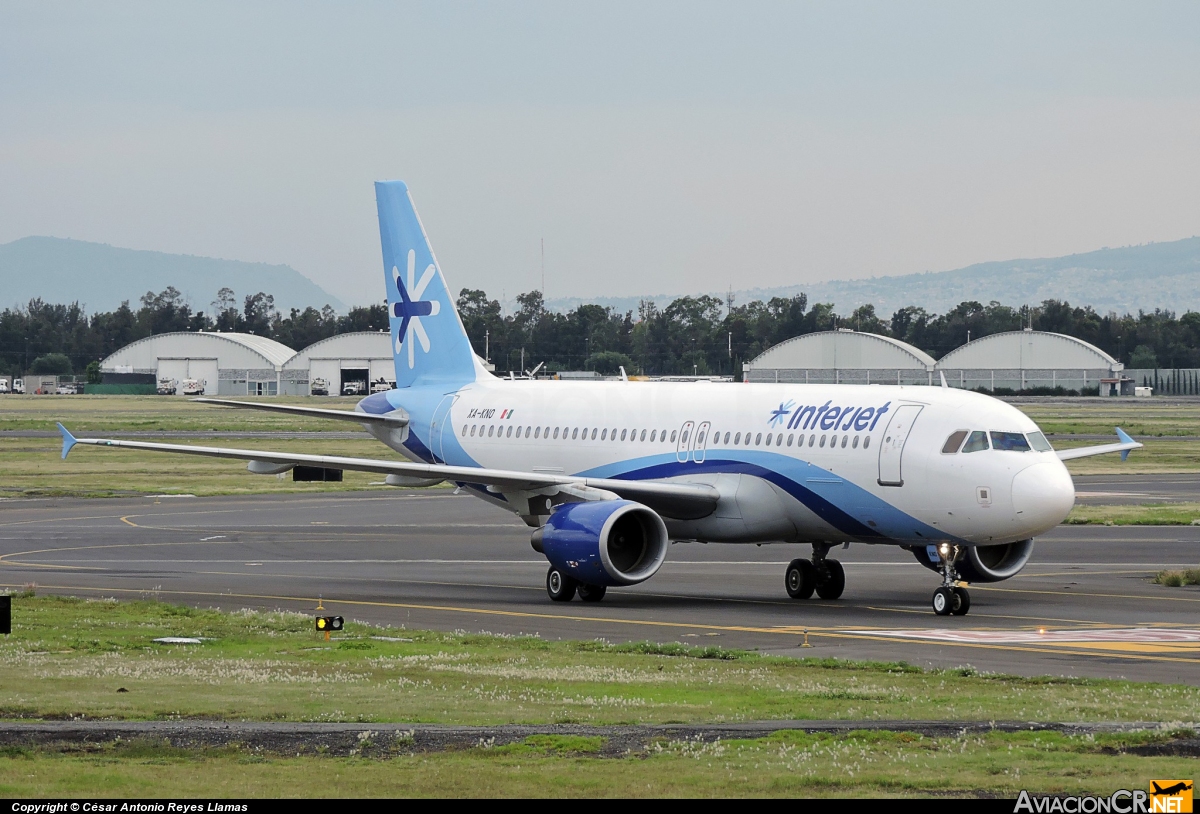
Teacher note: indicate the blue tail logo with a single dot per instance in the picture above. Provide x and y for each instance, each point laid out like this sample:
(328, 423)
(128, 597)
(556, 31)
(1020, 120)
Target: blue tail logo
(429, 344)
(411, 307)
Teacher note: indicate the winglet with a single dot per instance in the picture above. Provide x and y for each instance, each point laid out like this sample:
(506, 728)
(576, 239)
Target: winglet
(68, 440)
(1125, 439)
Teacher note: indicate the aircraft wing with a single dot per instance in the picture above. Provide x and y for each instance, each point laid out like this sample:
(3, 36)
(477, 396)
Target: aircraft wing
(388, 420)
(1126, 444)
(681, 500)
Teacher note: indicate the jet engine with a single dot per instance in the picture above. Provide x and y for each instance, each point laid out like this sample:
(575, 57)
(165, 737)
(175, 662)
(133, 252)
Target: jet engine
(983, 563)
(604, 542)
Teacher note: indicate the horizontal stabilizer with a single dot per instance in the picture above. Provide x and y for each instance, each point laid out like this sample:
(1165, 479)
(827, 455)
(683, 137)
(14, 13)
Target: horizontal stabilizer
(394, 419)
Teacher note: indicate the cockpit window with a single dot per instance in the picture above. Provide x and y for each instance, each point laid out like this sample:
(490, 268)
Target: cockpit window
(954, 442)
(1039, 442)
(1011, 441)
(976, 442)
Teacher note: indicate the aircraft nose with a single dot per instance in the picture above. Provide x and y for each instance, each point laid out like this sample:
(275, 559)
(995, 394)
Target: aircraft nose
(1043, 495)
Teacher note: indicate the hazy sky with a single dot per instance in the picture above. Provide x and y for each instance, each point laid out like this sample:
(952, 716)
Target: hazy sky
(657, 147)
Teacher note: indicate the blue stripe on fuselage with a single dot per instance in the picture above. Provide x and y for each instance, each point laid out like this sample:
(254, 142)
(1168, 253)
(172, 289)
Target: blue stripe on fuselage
(842, 504)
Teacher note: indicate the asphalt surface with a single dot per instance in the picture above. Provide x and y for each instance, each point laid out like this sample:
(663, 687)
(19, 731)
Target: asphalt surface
(1085, 605)
(1112, 489)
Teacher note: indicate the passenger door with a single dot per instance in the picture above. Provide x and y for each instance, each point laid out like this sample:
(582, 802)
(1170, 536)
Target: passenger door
(440, 425)
(891, 447)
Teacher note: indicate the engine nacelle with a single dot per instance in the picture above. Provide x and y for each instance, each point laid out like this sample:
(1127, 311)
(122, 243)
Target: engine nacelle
(983, 563)
(604, 542)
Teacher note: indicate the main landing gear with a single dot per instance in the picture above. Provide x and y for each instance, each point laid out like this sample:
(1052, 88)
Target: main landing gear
(950, 598)
(826, 577)
(563, 587)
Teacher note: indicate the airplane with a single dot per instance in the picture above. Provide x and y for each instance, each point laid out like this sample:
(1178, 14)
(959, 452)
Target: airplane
(1170, 791)
(610, 474)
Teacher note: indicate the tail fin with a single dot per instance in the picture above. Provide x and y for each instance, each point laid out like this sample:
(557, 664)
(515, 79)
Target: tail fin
(429, 343)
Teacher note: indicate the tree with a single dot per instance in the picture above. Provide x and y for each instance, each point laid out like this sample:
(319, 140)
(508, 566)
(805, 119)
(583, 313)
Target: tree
(1143, 358)
(52, 364)
(93, 373)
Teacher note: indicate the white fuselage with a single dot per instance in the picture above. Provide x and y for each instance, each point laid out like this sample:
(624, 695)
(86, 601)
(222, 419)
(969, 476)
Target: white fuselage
(792, 462)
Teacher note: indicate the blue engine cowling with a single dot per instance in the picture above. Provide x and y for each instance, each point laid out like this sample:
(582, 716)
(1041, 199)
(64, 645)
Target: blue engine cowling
(606, 542)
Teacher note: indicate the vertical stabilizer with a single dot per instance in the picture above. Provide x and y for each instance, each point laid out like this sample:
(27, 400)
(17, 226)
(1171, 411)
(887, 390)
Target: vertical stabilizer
(429, 343)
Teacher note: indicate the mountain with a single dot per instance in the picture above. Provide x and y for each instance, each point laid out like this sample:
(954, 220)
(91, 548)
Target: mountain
(100, 276)
(1128, 279)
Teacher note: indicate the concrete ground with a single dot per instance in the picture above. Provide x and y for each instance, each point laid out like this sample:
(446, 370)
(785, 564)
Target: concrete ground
(1084, 606)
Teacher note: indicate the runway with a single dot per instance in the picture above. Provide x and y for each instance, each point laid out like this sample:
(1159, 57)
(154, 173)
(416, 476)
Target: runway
(431, 559)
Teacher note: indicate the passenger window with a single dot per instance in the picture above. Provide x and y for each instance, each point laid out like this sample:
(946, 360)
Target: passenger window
(791, 438)
(556, 433)
(574, 433)
(673, 436)
(537, 432)
(464, 431)
(472, 430)
(593, 433)
(491, 430)
(683, 440)
(1010, 441)
(845, 438)
(509, 433)
(855, 444)
(726, 439)
(977, 442)
(737, 439)
(604, 435)
(758, 440)
(822, 441)
(866, 442)
(1039, 442)
(812, 439)
(643, 435)
(623, 434)
(832, 441)
(954, 442)
(653, 435)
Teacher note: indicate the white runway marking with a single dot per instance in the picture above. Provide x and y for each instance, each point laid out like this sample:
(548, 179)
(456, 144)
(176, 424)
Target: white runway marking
(1142, 635)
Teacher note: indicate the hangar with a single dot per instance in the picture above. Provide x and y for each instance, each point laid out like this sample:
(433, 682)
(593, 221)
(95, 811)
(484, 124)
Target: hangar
(843, 356)
(354, 362)
(226, 364)
(1030, 360)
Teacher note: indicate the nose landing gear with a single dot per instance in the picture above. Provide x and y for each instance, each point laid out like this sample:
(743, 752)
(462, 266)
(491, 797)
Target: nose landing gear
(826, 577)
(951, 598)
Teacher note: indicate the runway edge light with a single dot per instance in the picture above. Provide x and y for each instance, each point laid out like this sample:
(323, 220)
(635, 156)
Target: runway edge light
(6, 614)
(325, 624)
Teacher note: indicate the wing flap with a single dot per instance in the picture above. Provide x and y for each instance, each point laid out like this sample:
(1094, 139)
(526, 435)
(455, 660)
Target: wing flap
(673, 499)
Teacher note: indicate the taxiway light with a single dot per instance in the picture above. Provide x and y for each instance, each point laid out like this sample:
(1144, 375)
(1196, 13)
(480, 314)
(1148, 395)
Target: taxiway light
(328, 623)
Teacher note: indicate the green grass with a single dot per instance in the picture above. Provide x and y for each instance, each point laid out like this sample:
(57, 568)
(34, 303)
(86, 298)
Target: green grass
(1144, 514)
(1178, 579)
(69, 657)
(784, 764)
(1099, 416)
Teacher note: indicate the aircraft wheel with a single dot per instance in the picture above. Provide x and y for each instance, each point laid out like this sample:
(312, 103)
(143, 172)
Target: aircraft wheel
(591, 593)
(800, 579)
(559, 586)
(944, 601)
(964, 602)
(834, 583)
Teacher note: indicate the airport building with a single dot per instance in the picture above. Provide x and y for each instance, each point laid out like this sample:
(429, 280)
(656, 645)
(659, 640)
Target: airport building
(842, 357)
(353, 362)
(1031, 360)
(226, 364)
(1012, 361)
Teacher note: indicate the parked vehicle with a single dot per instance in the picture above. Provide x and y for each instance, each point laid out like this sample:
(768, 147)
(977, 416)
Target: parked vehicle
(4, 388)
(18, 386)
(67, 389)
(319, 387)
(382, 385)
(353, 388)
(167, 386)
(193, 387)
